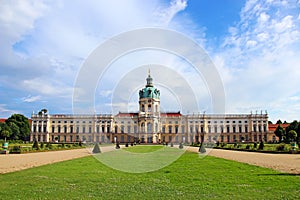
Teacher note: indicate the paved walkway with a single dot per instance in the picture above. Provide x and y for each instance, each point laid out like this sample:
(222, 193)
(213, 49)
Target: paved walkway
(289, 163)
(16, 162)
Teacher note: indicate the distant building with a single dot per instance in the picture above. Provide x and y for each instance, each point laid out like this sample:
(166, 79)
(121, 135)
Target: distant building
(150, 125)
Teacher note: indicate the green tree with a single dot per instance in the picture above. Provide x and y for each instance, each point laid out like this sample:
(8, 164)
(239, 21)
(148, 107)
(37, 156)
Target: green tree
(293, 126)
(279, 132)
(15, 131)
(44, 110)
(292, 134)
(5, 131)
(279, 122)
(23, 124)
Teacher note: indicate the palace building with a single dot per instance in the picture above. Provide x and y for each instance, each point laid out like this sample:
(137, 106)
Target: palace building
(150, 125)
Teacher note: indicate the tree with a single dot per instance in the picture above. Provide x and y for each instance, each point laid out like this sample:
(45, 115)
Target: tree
(279, 132)
(279, 122)
(22, 123)
(5, 131)
(44, 110)
(293, 126)
(292, 134)
(15, 131)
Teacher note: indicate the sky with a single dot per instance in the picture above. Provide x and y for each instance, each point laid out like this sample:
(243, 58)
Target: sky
(254, 46)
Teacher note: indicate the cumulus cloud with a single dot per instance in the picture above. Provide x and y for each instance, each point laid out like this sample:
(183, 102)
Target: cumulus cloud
(260, 55)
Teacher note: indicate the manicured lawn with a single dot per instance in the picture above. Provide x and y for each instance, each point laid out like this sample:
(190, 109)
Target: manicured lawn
(144, 148)
(189, 177)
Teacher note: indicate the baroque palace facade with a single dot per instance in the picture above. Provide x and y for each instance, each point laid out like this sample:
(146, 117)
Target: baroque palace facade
(149, 125)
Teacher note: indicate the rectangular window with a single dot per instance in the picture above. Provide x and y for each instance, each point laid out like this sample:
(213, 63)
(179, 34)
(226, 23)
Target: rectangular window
(58, 129)
(191, 129)
(71, 129)
(77, 129)
(233, 129)
(240, 129)
(246, 129)
(176, 129)
(128, 129)
(135, 129)
(163, 129)
(53, 129)
(170, 129)
(254, 128)
(45, 129)
(83, 129)
(228, 129)
(65, 129)
(216, 129)
(90, 129)
(98, 129)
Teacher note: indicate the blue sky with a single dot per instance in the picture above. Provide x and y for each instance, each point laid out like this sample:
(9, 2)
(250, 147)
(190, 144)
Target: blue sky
(253, 44)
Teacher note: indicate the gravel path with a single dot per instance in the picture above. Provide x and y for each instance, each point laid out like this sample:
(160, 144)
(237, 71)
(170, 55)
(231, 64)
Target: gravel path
(289, 163)
(16, 162)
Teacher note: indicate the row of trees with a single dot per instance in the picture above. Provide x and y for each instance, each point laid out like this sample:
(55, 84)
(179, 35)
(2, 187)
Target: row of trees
(16, 127)
(290, 134)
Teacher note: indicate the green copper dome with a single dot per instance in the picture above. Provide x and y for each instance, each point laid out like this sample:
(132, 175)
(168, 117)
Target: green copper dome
(149, 91)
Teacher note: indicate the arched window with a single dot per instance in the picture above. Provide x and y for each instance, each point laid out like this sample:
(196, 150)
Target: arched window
(143, 127)
(143, 108)
(149, 127)
(149, 108)
(116, 129)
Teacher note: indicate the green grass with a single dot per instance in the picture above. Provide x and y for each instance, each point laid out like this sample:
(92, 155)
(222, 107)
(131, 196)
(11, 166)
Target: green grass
(144, 149)
(189, 177)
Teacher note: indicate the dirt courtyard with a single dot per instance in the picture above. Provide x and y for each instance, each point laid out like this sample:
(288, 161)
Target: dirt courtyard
(289, 163)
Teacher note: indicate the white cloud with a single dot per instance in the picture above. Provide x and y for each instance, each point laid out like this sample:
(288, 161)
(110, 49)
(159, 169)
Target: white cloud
(5, 112)
(30, 99)
(165, 15)
(260, 61)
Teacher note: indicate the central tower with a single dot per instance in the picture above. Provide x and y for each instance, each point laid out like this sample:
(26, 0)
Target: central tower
(149, 112)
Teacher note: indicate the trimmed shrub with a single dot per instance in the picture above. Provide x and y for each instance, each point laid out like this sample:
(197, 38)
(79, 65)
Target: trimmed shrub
(280, 147)
(49, 145)
(181, 146)
(255, 145)
(42, 145)
(202, 149)
(126, 145)
(261, 145)
(96, 148)
(248, 146)
(35, 145)
(223, 144)
(172, 144)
